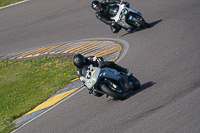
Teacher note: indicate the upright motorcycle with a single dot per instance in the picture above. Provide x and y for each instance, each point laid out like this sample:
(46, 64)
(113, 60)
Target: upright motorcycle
(100, 81)
(126, 17)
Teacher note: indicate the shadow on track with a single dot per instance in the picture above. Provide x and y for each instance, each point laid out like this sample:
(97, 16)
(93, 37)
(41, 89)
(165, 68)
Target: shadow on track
(142, 88)
(152, 24)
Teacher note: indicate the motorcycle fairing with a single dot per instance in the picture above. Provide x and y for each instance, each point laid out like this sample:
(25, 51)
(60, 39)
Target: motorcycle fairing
(91, 74)
(110, 73)
(138, 13)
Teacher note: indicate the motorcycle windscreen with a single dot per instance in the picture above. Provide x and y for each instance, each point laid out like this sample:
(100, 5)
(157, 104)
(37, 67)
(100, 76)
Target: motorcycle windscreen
(113, 10)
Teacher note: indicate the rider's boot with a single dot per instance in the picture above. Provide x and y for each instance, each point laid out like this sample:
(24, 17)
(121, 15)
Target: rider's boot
(125, 70)
(117, 67)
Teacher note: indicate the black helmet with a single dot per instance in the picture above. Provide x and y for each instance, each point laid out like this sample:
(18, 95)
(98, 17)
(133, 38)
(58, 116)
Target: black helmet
(96, 5)
(79, 60)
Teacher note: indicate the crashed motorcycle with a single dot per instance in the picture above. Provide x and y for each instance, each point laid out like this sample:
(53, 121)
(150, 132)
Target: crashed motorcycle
(126, 17)
(100, 81)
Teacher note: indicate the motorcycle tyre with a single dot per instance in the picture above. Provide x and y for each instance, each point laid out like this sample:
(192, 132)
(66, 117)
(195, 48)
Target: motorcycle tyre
(136, 83)
(112, 93)
(142, 22)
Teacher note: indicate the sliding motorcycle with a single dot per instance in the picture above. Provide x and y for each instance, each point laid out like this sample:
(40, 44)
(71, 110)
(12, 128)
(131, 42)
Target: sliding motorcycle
(110, 82)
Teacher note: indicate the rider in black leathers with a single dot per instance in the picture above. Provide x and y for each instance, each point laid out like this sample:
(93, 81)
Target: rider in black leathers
(80, 62)
(102, 13)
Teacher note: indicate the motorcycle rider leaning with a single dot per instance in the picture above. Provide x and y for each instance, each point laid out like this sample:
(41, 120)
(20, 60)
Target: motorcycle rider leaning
(80, 62)
(102, 13)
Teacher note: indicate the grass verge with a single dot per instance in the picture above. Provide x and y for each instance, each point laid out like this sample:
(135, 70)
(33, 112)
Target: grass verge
(8, 2)
(25, 84)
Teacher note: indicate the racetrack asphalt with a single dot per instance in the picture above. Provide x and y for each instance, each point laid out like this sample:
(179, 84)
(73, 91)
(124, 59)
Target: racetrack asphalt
(165, 58)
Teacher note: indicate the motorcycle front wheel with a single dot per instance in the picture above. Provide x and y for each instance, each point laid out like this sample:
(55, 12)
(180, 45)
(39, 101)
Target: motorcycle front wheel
(118, 94)
(138, 21)
(136, 82)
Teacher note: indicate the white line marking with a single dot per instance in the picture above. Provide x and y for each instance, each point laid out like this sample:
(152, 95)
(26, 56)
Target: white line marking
(13, 4)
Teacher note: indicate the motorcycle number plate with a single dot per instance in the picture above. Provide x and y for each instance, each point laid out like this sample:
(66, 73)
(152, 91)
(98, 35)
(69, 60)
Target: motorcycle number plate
(130, 17)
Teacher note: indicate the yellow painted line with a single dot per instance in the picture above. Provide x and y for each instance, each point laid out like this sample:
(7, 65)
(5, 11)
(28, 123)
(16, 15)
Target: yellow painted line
(87, 46)
(107, 51)
(40, 50)
(83, 46)
(53, 100)
(76, 47)
(75, 79)
(113, 60)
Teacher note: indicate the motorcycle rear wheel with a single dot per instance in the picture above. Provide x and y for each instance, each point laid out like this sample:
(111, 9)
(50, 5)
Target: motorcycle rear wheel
(113, 93)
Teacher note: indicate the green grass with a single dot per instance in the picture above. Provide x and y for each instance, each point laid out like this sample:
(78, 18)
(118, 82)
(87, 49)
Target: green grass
(7, 2)
(25, 84)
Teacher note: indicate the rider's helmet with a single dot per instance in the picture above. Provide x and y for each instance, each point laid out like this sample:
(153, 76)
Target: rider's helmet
(79, 61)
(96, 5)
